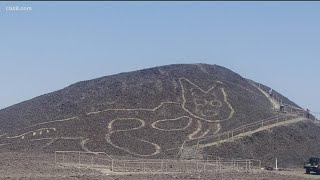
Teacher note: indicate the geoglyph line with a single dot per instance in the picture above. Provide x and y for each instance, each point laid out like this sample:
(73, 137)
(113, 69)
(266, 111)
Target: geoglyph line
(40, 139)
(210, 89)
(138, 109)
(247, 133)
(110, 129)
(60, 120)
(32, 132)
(191, 136)
(175, 119)
(213, 121)
(153, 125)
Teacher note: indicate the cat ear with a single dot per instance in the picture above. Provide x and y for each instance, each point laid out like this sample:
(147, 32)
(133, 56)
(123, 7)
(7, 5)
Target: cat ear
(189, 87)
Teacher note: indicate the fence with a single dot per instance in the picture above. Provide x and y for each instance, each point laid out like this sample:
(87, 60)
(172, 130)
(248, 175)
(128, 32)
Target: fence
(189, 166)
(81, 158)
(195, 144)
(287, 107)
(266, 89)
(233, 134)
(78, 158)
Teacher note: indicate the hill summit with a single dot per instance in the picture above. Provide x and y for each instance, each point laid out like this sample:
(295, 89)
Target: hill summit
(147, 113)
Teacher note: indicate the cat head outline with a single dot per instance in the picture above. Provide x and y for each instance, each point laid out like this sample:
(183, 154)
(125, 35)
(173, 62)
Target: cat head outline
(211, 105)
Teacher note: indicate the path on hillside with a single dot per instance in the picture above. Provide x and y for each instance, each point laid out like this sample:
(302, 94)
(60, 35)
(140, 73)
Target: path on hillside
(194, 150)
(274, 103)
(276, 106)
(246, 130)
(248, 133)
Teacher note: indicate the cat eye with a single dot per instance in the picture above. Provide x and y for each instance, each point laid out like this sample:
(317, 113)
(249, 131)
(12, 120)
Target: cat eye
(195, 91)
(216, 103)
(199, 101)
(214, 94)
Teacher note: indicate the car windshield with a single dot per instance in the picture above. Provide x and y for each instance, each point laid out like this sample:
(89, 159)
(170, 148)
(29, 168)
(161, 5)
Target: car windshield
(313, 160)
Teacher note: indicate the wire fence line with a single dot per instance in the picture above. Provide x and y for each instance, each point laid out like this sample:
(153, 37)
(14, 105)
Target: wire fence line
(101, 159)
(286, 112)
(279, 99)
(192, 147)
(94, 159)
(287, 107)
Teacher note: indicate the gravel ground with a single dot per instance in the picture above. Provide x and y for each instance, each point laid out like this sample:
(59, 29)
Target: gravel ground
(39, 166)
(261, 175)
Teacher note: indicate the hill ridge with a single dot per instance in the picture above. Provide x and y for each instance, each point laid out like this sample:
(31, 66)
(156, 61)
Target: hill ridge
(147, 113)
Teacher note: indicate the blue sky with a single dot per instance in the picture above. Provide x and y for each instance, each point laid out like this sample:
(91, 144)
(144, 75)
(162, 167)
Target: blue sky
(60, 43)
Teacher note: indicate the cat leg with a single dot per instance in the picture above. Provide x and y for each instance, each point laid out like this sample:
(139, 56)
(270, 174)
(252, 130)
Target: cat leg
(195, 133)
(130, 144)
(204, 130)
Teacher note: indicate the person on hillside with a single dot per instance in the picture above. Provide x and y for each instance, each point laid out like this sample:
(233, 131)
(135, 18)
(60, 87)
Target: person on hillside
(308, 113)
(281, 107)
(271, 92)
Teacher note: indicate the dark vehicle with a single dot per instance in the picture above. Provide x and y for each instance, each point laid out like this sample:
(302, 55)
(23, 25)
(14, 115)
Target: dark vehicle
(313, 165)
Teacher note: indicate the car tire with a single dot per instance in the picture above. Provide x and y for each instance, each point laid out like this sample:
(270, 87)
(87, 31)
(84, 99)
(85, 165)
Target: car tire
(307, 171)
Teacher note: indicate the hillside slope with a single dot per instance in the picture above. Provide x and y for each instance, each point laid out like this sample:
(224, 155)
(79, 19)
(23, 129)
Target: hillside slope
(145, 113)
(292, 145)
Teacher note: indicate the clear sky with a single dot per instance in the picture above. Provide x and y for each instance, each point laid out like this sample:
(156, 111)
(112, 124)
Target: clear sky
(60, 43)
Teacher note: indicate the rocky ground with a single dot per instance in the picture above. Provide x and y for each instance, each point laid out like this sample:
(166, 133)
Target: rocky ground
(286, 143)
(41, 166)
(222, 176)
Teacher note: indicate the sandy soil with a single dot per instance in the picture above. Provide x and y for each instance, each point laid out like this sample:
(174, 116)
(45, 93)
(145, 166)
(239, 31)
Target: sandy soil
(41, 166)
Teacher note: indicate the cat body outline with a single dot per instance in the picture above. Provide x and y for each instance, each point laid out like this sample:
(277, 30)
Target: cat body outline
(199, 108)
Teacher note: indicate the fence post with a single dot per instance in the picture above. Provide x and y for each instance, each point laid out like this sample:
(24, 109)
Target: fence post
(246, 164)
(55, 157)
(112, 165)
(91, 161)
(197, 166)
(62, 157)
(144, 166)
(259, 164)
(161, 165)
(232, 135)
(261, 123)
(186, 166)
(197, 149)
(166, 164)
(79, 159)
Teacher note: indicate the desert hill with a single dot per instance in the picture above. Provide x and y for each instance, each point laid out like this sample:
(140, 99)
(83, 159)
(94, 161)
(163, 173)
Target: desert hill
(147, 113)
(291, 145)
